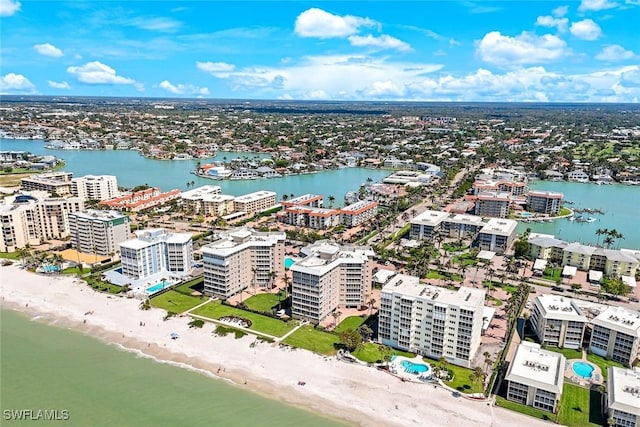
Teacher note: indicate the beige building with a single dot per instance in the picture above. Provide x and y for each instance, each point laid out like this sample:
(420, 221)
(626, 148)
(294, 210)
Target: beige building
(497, 235)
(430, 320)
(29, 218)
(493, 204)
(95, 187)
(558, 321)
(328, 277)
(546, 202)
(254, 202)
(616, 335)
(240, 259)
(98, 232)
(623, 396)
(536, 377)
(53, 182)
(358, 212)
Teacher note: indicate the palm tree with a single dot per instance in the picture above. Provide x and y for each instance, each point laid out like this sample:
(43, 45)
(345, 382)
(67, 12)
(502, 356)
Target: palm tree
(600, 232)
(335, 316)
(487, 361)
(255, 280)
(477, 376)
(371, 303)
(608, 241)
(331, 200)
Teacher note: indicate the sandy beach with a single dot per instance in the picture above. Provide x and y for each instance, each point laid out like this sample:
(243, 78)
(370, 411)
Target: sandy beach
(360, 395)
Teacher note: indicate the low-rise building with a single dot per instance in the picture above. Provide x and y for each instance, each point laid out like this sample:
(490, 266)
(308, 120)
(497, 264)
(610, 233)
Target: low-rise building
(242, 258)
(430, 320)
(307, 200)
(98, 232)
(616, 335)
(623, 396)
(535, 377)
(558, 321)
(255, 202)
(141, 200)
(330, 276)
(546, 202)
(497, 235)
(310, 217)
(58, 183)
(358, 212)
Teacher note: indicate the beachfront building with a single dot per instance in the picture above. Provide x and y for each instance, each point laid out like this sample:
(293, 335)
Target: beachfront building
(611, 262)
(358, 212)
(155, 251)
(546, 202)
(430, 320)
(95, 187)
(623, 396)
(616, 335)
(558, 321)
(330, 276)
(31, 217)
(98, 232)
(493, 204)
(58, 183)
(497, 235)
(255, 202)
(307, 200)
(141, 200)
(535, 377)
(242, 258)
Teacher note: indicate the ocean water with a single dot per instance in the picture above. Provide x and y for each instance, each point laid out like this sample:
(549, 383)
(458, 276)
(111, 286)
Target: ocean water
(50, 368)
(133, 169)
(620, 204)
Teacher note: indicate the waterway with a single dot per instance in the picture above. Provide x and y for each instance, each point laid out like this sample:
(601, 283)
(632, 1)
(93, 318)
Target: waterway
(620, 204)
(132, 169)
(47, 367)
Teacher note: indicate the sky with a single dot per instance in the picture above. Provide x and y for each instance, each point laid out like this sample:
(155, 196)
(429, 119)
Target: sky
(512, 51)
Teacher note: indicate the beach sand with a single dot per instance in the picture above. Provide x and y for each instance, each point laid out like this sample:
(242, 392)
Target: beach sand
(358, 394)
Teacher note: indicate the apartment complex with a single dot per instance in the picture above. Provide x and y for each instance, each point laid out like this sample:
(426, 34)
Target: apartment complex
(546, 202)
(155, 251)
(208, 201)
(254, 202)
(310, 217)
(535, 377)
(492, 203)
(241, 258)
(497, 235)
(141, 200)
(308, 200)
(558, 321)
(515, 188)
(330, 276)
(623, 396)
(98, 232)
(612, 262)
(95, 187)
(616, 335)
(53, 182)
(28, 218)
(358, 212)
(430, 320)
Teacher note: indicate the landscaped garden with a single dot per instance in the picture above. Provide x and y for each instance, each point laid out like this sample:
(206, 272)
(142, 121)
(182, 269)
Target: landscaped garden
(351, 322)
(175, 302)
(265, 303)
(315, 340)
(552, 274)
(370, 352)
(580, 407)
(443, 275)
(259, 323)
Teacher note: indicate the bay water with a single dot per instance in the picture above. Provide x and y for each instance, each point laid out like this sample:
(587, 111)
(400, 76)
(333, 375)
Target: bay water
(50, 368)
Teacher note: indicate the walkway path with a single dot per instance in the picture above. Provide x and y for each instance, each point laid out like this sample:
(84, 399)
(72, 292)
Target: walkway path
(284, 337)
(199, 305)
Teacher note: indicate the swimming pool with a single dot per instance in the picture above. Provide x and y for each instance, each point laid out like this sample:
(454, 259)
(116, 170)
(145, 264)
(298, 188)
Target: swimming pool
(288, 262)
(526, 214)
(414, 368)
(50, 268)
(158, 287)
(583, 369)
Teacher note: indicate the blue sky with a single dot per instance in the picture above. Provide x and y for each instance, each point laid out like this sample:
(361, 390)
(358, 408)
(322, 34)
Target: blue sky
(583, 51)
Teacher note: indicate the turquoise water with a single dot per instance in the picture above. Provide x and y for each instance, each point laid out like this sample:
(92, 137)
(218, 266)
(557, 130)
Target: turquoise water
(133, 169)
(46, 367)
(158, 287)
(288, 262)
(414, 368)
(619, 203)
(585, 370)
(50, 268)
(526, 214)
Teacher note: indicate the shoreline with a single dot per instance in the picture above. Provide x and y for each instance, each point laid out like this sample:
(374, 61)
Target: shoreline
(354, 394)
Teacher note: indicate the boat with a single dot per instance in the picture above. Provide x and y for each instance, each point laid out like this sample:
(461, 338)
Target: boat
(591, 219)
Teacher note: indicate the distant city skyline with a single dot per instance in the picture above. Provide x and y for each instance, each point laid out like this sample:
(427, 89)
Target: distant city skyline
(544, 51)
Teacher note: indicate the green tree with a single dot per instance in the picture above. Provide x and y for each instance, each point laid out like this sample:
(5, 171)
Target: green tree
(350, 339)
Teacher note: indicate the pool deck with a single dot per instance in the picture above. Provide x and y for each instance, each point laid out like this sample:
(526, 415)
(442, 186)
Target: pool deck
(397, 369)
(596, 377)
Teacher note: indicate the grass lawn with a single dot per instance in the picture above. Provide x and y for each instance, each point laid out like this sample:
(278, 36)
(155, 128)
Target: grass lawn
(524, 409)
(576, 406)
(75, 270)
(100, 285)
(191, 285)
(369, 352)
(433, 274)
(567, 352)
(552, 273)
(262, 302)
(496, 301)
(352, 322)
(175, 302)
(259, 323)
(603, 363)
(460, 381)
(10, 255)
(313, 340)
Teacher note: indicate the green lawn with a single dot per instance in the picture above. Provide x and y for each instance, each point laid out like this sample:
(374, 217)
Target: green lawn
(262, 302)
(567, 352)
(190, 286)
(524, 409)
(175, 302)
(352, 322)
(75, 270)
(10, 255)
(496, 301)
(313, 340)
(460, 381)
(552, 273)
(576, 406)
(369, 352)
(433, 274)
(259, 323)
(603, 363)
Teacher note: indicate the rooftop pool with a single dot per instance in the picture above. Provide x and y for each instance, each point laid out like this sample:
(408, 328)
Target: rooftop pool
(288, 262)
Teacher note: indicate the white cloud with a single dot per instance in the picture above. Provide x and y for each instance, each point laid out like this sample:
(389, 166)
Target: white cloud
(155, 24)
(586, 29)
(183, 89)
(98, 73)
(550, 21)
(526, 48)
(59, 85)
(15, 83)
(596, 5)
(9, 7)
(614, 52)
(47, 49)
(316, 22)
(384, 42)
(214, 67)
(560, 11)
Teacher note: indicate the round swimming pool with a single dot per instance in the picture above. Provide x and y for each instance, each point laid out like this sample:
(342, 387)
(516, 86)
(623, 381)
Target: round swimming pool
(583, 369)
(414, 368)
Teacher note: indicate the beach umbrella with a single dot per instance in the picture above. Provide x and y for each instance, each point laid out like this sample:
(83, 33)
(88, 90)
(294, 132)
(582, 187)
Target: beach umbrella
(174, 336)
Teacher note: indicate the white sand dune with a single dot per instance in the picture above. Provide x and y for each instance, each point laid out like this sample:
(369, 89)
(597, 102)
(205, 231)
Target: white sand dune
(358, 394)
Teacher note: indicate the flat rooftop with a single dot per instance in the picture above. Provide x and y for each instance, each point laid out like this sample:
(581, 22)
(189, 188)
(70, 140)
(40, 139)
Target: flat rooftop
(623, 391)
(536, 367)
(559, 307)
(620, 319)
(500, 226)
(410, 286)
(429, 217)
